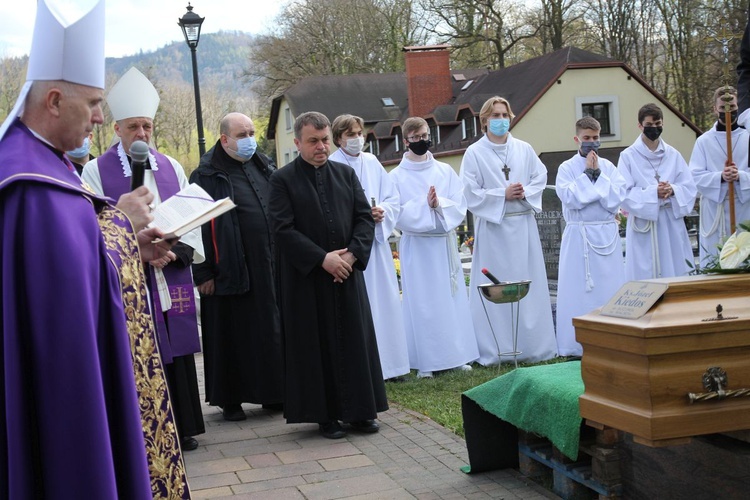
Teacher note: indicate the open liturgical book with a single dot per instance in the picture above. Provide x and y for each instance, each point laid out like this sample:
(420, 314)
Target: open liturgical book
(188, 209)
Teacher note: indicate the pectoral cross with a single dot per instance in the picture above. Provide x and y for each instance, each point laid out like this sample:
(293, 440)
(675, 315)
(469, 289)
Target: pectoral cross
(506, 171)
(657, 177)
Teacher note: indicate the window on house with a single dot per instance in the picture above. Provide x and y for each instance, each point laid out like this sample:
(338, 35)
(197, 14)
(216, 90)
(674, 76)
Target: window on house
(606, 110)
(374, 146)
(398, 143)
(286, 158)
(435, 133)
(288, 118)
(600, 111)
(387, 101)
(468, 127)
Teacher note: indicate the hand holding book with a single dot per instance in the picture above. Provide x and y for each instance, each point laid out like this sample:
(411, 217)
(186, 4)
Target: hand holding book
(188, 209)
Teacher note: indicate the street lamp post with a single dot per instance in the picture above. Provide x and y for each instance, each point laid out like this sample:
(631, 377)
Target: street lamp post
(191, 28)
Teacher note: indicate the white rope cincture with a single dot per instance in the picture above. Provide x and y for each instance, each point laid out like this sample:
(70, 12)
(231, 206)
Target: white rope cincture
(718, 223)
(603, 250)
(650, 227)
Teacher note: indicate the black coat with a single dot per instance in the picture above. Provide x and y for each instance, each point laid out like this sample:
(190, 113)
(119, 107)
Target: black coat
(222, 239)
(240, 321)
(332, 365)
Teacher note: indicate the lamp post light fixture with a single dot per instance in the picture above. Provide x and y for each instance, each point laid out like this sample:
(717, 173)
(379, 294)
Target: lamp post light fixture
(191, 28)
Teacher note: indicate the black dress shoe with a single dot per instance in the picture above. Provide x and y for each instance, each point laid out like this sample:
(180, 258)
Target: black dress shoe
(274, 406)
(233, 413)
(189, 443)
(332, 430)
(368, 426)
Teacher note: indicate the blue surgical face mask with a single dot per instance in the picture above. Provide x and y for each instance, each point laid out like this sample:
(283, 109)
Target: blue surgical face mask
(499, 126)
(246, 147)
(589, 146)
(81, 152)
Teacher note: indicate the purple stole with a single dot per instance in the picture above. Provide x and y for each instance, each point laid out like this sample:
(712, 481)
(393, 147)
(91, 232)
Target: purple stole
(181, 337)
(170, 479)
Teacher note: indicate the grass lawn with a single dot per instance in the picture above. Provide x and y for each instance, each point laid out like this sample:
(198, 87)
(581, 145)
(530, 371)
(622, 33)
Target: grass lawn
(440, 397)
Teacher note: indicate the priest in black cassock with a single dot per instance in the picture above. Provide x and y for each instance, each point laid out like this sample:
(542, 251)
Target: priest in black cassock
(239, 315)
(324, 232)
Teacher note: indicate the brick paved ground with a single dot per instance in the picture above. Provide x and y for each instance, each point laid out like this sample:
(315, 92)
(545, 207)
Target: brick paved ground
(411, 457)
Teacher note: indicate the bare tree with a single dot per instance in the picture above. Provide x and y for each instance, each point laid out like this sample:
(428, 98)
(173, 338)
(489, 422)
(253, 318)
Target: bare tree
(104, 134)
(613, 23)
(693, 52)
(12, 78)
(481, 32)
(562, 25)
(648, 50)
(333, 37)
(560, 22)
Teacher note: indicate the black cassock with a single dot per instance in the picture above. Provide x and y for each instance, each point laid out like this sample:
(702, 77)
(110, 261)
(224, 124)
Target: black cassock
(331, 357)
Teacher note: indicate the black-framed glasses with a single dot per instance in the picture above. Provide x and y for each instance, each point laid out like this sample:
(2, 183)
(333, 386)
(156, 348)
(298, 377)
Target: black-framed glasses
(417, 138)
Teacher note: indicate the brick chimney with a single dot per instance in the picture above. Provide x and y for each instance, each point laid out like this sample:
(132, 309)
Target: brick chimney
(428, 78)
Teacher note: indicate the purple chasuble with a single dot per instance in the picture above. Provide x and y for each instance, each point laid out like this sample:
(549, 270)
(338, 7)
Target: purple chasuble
(72, 419)
(181, 337)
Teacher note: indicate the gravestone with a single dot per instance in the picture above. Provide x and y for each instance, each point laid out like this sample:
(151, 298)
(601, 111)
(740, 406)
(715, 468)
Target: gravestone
(551, 224)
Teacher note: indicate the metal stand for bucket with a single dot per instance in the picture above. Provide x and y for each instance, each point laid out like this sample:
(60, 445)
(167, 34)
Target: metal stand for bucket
(506, 292)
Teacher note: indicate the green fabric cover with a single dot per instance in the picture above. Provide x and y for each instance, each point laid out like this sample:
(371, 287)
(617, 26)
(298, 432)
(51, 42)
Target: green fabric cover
(539, 399)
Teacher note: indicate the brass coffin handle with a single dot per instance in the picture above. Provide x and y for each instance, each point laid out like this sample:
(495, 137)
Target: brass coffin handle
(714, 381)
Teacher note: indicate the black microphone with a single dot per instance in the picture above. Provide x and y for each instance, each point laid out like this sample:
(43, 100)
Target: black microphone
(139, 155)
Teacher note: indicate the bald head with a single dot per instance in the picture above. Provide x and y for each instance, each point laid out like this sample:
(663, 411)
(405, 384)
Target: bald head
(231, 119)
(63, 113)
(233, 127)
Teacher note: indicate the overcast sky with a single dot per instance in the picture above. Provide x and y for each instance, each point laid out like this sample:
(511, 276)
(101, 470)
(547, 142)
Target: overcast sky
(134, 25)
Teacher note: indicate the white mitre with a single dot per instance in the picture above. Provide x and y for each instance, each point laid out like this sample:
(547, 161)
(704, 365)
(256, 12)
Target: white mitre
(66, 45)
(133, 96)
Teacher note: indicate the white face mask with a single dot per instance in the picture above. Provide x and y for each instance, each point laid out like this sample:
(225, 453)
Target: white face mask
(354, 145)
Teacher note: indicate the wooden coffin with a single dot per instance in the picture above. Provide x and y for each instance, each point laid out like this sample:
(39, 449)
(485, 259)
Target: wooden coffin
(638, 373)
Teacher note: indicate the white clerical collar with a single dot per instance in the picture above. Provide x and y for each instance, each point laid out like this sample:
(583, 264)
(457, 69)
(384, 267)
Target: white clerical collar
(645, 150)
(496, 145)
(410, 164)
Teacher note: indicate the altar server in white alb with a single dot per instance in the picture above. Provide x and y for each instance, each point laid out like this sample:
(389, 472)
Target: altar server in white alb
(503, 182)
(380, 276)
(439, 332)
(713, 176)
(660, 193)
(591, 265)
